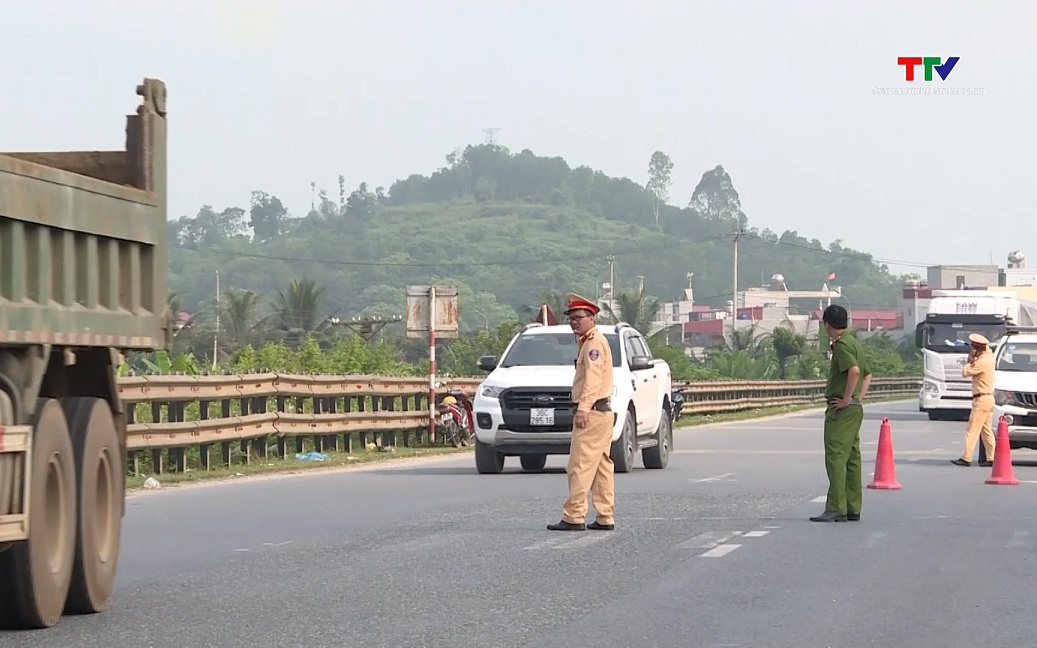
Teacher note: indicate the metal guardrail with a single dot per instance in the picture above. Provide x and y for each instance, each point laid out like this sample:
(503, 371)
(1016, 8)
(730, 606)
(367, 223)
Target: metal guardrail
(250, 415)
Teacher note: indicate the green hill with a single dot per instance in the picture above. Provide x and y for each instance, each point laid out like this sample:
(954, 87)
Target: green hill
(508, 229)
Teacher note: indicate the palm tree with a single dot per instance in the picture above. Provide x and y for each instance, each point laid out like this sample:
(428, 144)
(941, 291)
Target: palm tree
(639, 311)
(787, 344)
(240, 311)
(299, 309)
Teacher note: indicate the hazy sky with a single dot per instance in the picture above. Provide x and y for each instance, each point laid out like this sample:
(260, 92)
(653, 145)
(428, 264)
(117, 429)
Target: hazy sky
(263, 96)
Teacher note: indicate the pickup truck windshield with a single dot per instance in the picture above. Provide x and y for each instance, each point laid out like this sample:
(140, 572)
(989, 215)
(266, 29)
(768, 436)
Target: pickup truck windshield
(1018, 356)
(550, 350)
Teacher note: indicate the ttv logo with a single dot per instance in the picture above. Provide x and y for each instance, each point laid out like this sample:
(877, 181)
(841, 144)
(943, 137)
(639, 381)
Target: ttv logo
(930, 62)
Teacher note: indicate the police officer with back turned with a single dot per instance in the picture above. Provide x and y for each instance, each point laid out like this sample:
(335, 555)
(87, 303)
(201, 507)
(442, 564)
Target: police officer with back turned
(590, 460)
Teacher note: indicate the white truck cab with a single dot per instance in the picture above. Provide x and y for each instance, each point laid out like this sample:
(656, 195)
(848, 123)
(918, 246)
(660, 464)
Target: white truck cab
(523, 408)
(943, 337)
(1015, 386)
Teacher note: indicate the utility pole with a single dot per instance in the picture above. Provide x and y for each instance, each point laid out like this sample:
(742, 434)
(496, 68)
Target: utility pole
(640, 297)
(739, 234)
(216, 336)
(612, 280)
(489, 134)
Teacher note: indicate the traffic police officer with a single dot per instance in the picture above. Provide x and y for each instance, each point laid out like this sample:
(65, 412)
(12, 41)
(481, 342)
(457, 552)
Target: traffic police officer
(980, 367)
(843, 419)
(590, 460)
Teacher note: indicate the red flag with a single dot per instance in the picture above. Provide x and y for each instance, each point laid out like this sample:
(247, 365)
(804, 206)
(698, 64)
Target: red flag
(831, 276)
(546, 316)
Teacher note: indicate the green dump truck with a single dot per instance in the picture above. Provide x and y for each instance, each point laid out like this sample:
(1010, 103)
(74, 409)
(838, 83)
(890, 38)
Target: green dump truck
(83, 267)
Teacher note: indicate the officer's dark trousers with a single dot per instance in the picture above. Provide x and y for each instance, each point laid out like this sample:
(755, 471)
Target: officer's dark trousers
(843, 458)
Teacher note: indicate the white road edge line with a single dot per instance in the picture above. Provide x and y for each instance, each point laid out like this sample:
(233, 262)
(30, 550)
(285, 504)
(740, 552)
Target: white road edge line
(721, 550)
(820, 499)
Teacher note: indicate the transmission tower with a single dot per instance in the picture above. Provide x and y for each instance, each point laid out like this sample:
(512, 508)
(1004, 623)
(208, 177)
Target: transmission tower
(489, 134)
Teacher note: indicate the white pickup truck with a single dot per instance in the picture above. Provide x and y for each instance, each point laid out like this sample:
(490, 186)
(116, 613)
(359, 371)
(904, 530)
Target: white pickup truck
(524, 406)
(1015, 387)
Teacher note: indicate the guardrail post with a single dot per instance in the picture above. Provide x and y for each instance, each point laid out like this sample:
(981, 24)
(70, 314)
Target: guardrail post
(300, 407)
(178, 455)
(157, 466)
(258, 405)
(389, 405)
(203, 449)
(225, 454)
(246, 454)
(132, 456)
(361, 406)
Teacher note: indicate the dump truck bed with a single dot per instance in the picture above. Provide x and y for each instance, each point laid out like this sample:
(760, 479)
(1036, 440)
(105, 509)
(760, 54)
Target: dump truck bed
(83, 252)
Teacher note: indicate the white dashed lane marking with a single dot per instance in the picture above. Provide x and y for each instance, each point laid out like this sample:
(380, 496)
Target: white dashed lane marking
(719, 551)
(724, 477)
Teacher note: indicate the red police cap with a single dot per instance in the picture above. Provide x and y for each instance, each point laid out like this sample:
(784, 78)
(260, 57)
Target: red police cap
(576, 302)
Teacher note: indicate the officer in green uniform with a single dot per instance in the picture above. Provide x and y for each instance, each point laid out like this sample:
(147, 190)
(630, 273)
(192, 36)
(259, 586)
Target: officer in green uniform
(843, 419)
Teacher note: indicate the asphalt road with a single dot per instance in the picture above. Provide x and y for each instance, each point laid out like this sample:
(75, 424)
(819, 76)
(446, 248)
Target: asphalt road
(716, 550)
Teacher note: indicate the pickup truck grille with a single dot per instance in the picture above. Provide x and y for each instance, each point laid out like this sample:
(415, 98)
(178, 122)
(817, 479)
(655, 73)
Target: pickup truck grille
(517, 404)
(1029, 399)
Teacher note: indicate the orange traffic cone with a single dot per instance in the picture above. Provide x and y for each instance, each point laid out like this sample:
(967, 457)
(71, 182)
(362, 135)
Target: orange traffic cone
(885, 471)
(1001, 473)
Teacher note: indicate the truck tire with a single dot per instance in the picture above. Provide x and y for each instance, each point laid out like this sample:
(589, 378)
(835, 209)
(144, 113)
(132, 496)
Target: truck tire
(658, 455)
(533, 461)
(487, 460)
(100, 479)
(624, 447)
(35, 574)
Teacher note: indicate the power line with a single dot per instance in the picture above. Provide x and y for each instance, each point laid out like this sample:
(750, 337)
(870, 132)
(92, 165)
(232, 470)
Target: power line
(434, 264)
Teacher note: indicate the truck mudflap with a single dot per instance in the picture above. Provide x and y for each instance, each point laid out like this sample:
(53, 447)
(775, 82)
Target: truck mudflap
(15, 454)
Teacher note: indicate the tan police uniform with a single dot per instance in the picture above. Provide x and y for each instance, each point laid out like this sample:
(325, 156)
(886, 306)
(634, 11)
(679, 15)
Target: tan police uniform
(590, 462)
(981, 370)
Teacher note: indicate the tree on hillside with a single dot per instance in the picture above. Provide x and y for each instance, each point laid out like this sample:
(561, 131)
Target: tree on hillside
(362, 203)
(715, 198)
(269, 218)
(207, 229)
(659, 169)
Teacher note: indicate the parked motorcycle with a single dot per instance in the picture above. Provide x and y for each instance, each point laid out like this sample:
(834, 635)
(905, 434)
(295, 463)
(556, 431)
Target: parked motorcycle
(676, 402)
(457, 419)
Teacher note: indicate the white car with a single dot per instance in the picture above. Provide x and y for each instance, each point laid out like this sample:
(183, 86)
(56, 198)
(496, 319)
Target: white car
(1015, 387)
(524, 406)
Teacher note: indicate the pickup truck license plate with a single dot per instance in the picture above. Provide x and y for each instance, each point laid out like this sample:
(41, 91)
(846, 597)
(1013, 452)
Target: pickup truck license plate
(541, 416)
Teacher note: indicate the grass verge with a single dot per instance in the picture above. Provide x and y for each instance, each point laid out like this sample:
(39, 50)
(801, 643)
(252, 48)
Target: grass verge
(362, 457)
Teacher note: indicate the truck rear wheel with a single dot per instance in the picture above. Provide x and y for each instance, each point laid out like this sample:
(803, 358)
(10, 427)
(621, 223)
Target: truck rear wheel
(35, 574)
(101, 489)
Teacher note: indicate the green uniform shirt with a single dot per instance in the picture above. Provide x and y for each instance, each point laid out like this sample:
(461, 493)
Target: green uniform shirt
(846, 352)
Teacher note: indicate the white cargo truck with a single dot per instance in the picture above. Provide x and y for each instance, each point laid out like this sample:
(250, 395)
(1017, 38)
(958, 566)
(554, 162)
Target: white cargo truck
(944, 339)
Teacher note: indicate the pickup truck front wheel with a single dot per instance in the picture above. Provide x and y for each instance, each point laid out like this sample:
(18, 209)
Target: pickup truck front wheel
(657, 456)
(487, 460)
(623, 448)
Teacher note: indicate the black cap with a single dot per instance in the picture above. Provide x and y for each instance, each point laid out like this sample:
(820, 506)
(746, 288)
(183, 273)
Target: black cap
(836, 316)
